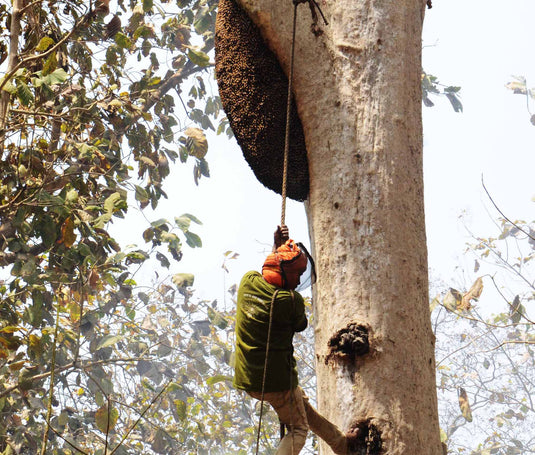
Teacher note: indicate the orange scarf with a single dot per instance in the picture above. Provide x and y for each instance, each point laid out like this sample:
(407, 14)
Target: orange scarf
(287, 259)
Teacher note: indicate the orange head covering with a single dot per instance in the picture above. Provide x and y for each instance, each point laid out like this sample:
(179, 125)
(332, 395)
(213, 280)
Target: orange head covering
(287, 259)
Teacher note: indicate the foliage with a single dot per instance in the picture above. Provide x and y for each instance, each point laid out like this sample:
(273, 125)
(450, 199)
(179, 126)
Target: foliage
(432, 87)
(159, 363)
(89, 125)
(486, 359)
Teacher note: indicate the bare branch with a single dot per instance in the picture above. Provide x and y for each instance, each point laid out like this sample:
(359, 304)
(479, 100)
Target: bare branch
(502, 214)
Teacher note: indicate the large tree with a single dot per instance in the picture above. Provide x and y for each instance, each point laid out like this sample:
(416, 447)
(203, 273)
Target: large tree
(357, 88)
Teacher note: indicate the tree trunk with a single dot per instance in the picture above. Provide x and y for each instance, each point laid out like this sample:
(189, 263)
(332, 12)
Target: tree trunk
(357, 88)
(14, 35)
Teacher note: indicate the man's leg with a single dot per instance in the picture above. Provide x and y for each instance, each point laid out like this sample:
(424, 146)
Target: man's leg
(290, 408)
(327, 431)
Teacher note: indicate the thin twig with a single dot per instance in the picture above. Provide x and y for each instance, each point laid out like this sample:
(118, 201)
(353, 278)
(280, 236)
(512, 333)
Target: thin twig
(502, 214)
(51, 392)
(74, 446)
(140, 417)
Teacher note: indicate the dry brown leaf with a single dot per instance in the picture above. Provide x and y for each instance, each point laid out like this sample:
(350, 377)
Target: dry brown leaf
(465, 405)
(473, 294)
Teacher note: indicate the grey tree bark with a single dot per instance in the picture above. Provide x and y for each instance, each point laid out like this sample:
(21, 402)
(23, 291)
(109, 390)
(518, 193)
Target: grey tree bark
(357, 88)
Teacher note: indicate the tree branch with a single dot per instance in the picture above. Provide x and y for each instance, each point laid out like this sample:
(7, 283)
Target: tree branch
(14, 35)
(502, 214)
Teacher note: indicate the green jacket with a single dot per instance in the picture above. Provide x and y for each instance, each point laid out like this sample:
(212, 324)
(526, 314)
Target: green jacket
(252, 322)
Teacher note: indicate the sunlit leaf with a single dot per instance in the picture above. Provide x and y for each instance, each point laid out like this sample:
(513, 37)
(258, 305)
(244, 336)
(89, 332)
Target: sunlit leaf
(108, 340)
(44, 44)
(518, 86)
(434, 303)
(217, 318)
(196, 142)
(122, 40)
(181, 409)
(51, 64)
(473, 294)
(198, 57)
(68, 236)
(182, 280)
(114, 202)
(218, 378)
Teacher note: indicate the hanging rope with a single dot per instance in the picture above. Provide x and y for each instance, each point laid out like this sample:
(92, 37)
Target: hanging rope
(288, 110)
(313, 5)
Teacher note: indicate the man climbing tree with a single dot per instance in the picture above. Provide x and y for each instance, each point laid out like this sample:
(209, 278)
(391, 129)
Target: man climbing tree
(269, 312)
(357, 91)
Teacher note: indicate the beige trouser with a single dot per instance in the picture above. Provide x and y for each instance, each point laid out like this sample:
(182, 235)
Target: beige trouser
(295, 411)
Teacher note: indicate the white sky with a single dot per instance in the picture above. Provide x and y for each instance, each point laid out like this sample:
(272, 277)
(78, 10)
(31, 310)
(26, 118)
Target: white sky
(475, 44)
(478, 46)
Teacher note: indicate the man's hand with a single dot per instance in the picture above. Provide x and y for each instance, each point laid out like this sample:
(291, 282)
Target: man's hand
(281, 235)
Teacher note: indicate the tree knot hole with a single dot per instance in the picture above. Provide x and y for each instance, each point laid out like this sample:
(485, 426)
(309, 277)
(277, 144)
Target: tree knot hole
(364, 438)
(350, 342)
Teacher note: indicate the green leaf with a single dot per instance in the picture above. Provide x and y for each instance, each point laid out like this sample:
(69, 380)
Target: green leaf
(24, 93)
(50, 64)
(197, 57)
(63, 418)
(137, 257)
(203, 21)
(113, 202)
(203, 166)
(105, 420)
(193, 240)
(147, 5)
(159, 223)
(455, 102)
(218, 378)
(44, 44)
(9, 87)
(163, 260)
(182, 280)
(217, 318)
(58, 76)
(108, 340)
(122, 40)
(183, 222)
(192, 218)
(516, 310)
(102, 220)
(181, 409)
(141, 194)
